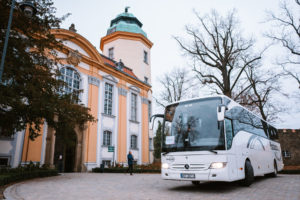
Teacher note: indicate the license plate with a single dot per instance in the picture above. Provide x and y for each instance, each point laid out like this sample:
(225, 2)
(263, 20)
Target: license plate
(187, 175)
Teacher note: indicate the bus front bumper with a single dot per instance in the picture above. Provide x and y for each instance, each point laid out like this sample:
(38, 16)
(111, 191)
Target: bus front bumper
(205, 175)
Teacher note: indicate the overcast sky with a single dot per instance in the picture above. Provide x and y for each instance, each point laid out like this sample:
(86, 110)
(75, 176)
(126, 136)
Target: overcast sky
(163, 19)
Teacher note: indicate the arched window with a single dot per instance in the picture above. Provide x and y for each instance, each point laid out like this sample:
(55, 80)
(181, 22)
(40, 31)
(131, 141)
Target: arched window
(72, 78)
(107, 138)
(133, 142)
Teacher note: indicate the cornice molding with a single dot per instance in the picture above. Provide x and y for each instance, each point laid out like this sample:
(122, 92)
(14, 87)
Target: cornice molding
(125, 35)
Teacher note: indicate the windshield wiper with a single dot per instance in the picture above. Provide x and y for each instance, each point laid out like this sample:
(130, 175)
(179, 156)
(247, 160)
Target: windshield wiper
(213, 151)
(168, 150)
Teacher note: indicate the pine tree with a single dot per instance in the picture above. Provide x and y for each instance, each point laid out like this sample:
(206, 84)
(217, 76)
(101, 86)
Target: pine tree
(30, 92)
(157, 141)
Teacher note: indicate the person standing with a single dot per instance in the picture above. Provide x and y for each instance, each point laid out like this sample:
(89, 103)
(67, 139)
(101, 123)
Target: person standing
(130, 162)
(60, 163)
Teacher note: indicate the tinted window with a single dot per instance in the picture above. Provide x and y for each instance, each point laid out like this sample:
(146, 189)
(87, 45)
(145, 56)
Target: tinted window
(229, 132)
(273, 134)
(243, 120)
(193, 125)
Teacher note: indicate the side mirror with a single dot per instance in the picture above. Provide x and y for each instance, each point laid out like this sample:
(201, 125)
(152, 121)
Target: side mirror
(154, 117)
(221, 112)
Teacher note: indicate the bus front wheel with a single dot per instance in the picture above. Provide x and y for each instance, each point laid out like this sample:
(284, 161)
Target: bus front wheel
(249, 175)
(274, 174)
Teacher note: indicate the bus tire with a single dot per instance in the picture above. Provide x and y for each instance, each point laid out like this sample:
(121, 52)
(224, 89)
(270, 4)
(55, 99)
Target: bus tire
(249, 175)
(274, 174)
(196, 182)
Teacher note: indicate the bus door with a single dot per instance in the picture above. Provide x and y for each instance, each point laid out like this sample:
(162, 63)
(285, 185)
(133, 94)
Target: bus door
(232, 159)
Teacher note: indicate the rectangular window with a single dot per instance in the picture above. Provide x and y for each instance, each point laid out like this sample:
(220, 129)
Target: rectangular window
(273, 133)
(286, 154)
(229, 132)
(145, 57)
(4, 161)
(106, 163)
(107, 138)
(244, 120)
(108, 99)
(133, 142)
(111, 53)
(149, 110)
(133, 107)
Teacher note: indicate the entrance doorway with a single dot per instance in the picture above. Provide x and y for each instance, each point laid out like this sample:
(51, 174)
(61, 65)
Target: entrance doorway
(65, 151)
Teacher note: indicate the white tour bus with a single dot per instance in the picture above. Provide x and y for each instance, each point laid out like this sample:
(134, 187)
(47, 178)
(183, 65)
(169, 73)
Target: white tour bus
(216, 139)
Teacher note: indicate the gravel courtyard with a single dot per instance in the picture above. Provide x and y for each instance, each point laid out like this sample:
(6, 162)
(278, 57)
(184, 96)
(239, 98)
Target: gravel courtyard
(150, 186)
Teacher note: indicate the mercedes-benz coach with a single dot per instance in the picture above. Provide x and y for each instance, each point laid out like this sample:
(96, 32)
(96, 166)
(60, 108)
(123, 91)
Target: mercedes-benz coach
(216, 139)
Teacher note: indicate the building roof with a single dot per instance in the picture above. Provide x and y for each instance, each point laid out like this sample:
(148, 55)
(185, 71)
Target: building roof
(114, 64)
(121, 67)
(126, 22)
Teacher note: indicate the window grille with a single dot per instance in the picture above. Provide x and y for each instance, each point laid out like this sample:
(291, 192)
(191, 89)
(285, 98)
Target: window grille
(133, 107)
(107, 138)
(108, 99)
(133, 142)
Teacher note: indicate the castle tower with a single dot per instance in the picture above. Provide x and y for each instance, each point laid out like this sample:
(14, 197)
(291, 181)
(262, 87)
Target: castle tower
(125, 40)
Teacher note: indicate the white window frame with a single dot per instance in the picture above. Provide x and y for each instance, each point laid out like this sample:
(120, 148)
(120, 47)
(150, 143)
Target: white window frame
(133, 107)
(111, 52)
(106, 100)
(105, 142)
(131, 142)
(286, 154)
(105, 163)
(149, 109)
(146, 57)
(65, 76)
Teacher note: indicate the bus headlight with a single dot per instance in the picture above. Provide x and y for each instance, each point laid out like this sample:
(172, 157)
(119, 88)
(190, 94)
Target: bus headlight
(217, 165)
(165, 166)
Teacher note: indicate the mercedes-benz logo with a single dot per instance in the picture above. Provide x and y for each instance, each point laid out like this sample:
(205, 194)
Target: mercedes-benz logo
(186, 166)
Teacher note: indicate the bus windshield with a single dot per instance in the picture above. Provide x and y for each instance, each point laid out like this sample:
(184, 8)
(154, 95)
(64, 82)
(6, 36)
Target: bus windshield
(193, 126)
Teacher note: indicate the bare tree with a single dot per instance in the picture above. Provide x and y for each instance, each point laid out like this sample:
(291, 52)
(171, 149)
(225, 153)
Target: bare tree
(220, 52)
(260, 96)
(287, 33)
(175, 85)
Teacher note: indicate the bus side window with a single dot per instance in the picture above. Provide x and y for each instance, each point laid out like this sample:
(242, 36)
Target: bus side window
(229, 132)
(273, 133)
(265, 128)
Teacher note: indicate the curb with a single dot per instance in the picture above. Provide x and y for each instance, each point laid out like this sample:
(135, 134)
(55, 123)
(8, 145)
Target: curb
(10, 193)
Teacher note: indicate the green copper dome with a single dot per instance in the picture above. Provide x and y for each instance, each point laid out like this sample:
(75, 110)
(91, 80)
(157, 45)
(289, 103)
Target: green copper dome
(126, 22)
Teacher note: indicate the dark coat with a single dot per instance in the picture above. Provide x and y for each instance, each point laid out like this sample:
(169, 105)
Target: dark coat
(130, 159)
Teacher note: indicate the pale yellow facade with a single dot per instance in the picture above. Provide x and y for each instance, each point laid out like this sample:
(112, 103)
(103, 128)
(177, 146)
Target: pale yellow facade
(118, 96)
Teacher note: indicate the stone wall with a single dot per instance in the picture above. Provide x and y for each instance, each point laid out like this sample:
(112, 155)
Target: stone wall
(290, 146)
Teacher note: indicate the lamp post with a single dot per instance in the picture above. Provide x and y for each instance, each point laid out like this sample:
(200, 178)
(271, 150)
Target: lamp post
(29, 10)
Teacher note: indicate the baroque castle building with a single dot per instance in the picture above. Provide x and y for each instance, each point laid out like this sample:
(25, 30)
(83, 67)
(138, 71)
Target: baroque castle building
(116, 86)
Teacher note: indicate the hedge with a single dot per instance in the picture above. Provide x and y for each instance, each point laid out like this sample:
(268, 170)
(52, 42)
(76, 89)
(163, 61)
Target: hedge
(18, 174)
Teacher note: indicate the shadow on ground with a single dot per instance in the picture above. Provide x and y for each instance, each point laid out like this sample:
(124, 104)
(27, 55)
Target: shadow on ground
(217, 187)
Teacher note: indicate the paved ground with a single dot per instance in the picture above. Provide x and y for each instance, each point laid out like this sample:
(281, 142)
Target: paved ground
(150, 186)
